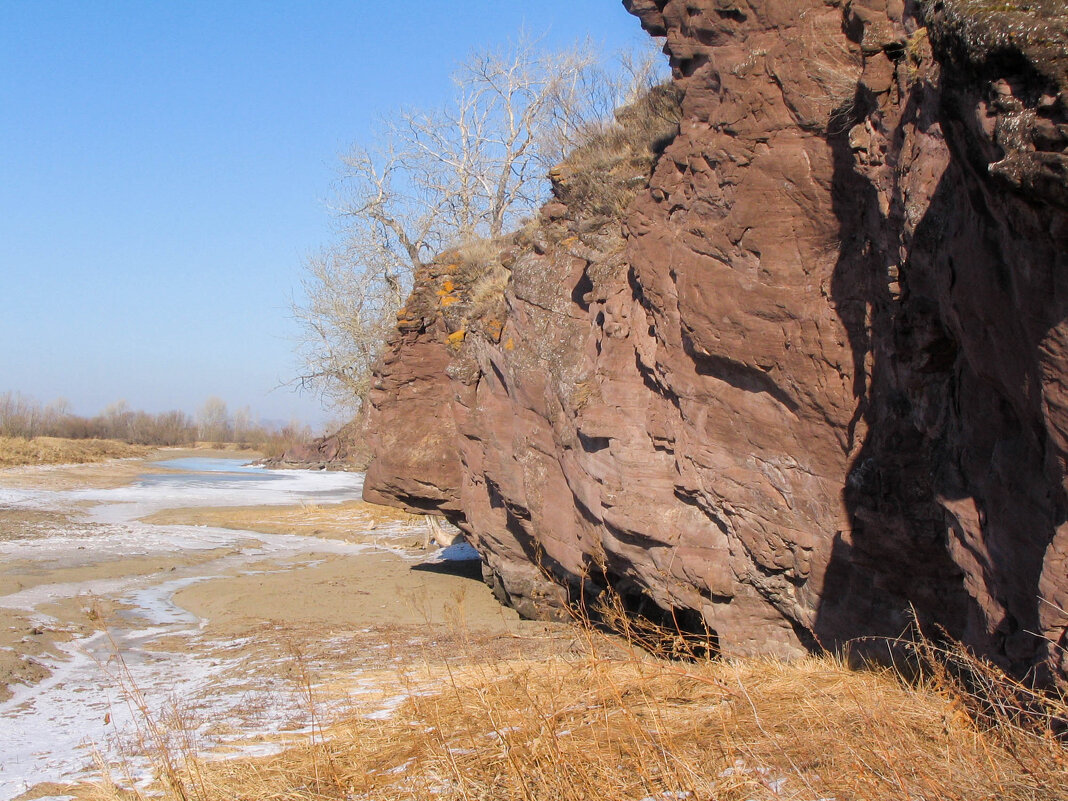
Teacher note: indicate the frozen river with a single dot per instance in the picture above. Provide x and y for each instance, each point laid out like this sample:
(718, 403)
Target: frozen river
(150, 659)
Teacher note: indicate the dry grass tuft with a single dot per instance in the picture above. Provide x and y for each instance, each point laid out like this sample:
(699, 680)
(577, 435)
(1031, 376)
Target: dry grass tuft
(602, 176)
(475, 258)
(17, 451)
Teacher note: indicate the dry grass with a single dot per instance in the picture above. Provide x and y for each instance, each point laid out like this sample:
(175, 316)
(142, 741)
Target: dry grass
(474, 258)
(602, 176)
(17, 451)
(610, 722)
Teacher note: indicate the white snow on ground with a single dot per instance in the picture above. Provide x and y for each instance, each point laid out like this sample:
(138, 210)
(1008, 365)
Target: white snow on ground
(457, 552)
(221, 482)
(95, 700)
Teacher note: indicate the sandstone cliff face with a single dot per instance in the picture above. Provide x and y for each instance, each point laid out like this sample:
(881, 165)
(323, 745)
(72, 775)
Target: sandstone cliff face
(814, 378)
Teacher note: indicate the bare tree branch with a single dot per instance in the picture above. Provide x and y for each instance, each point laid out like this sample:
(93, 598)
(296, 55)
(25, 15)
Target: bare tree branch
(473, 168)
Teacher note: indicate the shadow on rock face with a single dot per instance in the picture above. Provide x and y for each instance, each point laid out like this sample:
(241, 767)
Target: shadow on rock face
(956, 487)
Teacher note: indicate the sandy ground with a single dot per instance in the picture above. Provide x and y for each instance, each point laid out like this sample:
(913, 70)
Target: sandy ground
(375, 589)
(345, 521)
(24, 641)
(360, 613)
(385, 592)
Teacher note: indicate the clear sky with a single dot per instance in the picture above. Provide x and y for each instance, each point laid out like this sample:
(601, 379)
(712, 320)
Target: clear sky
(165, 166)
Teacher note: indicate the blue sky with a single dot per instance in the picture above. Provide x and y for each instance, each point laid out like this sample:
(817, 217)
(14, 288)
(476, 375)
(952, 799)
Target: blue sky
(164, 168)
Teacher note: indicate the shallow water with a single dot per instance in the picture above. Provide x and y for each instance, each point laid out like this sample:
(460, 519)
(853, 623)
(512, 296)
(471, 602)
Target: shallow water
(95, 698)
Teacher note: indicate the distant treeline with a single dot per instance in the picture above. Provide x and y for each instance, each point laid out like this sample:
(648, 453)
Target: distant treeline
(22, 416)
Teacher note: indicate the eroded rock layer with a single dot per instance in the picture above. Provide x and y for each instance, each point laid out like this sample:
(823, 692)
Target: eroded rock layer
(814, 380)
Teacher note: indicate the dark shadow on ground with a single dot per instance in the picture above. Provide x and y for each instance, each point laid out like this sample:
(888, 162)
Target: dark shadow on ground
(465, 568)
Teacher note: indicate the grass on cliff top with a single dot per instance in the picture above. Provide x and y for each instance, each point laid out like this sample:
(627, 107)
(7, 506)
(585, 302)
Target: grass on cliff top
(16, 451)
(602, 176)
(610, 722)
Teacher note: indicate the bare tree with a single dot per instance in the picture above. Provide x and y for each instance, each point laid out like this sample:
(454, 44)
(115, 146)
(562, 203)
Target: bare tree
(20, 415)
(213, 421)
(243, 424)
(437, 179)
(349, 311)
(117, 419)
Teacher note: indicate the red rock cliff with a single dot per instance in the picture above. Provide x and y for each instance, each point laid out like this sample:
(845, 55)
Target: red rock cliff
(814, 378)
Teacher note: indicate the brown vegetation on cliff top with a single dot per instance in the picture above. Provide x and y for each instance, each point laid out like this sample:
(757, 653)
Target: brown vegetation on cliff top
(597, 182)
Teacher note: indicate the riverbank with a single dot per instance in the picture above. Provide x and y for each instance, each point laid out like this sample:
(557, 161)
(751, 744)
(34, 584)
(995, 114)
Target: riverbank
(32, 639)
(313, 650)
(110, 464)
(18, 451)
(215, 605)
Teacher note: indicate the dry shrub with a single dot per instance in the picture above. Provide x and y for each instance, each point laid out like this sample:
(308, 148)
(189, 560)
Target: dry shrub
(611, 722)
(1029, 723)
(489, 287)
(474, 259)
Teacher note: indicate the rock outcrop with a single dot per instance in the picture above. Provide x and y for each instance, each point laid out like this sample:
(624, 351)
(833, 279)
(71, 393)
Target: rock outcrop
(814, 380)
(345, 449)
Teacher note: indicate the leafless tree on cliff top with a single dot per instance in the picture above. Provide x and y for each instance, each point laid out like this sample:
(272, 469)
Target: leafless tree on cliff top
(437, 179)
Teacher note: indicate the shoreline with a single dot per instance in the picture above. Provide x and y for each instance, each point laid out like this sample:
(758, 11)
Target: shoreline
(345, 585)
(106, 473)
